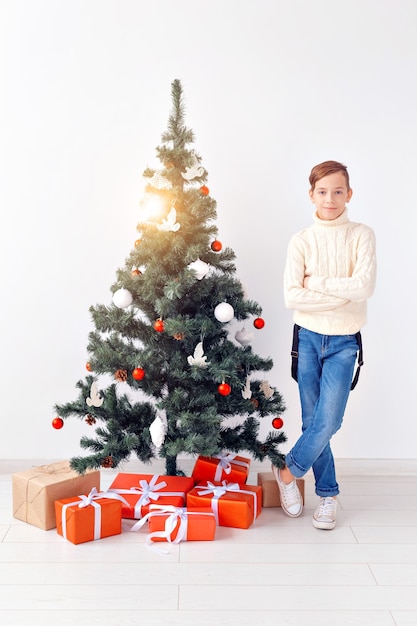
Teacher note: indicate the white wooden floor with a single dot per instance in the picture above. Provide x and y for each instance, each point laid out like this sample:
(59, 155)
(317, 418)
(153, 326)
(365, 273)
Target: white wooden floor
(280, 572)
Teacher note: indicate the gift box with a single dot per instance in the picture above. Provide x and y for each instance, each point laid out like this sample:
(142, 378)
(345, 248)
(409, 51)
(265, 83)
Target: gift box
(175, 524)
(220, 467)
(233, 505)
(35, 491)
(141, 490)
(87, 518)
(270, 490)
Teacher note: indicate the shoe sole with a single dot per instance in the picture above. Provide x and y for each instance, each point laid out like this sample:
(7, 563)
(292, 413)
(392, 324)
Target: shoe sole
(323, 525)
(275, 473)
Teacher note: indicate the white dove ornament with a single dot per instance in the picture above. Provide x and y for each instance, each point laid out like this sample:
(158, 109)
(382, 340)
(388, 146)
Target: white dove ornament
(246, 391)
(159, 181)
(95, 398)
(200, 268)
(266, 389)
(243, 336)
(198, 359)
(158, 430)
(194, 171)
(170, 224)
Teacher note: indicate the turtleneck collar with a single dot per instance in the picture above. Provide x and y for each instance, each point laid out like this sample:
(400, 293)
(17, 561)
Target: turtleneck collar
(339, 221)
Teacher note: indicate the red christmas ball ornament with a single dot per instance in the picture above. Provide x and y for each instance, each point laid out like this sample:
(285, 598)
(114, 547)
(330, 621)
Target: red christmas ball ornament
(259, 323)
(138, 373)
(159, 326)
(88, 367)
(204, 190)
(224, 389)
(277, 423)
(216, 245)
(57, 422)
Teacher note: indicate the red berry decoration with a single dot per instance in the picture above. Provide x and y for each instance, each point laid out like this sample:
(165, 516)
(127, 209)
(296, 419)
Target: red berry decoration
(204, 190)
(277, 423)
(136, 272)
(224, 389)
(216, 245)
(57, 422)
(88, 367)
(259, 323)
(138, 373)
(159, 326)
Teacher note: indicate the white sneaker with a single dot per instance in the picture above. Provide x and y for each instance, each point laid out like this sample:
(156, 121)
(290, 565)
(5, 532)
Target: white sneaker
(325, 515)
(291, 500)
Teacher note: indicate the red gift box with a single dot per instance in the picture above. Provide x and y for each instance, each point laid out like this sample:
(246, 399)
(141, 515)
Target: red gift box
(175, 524)
(141, 490)
(88, 518)
(224, 466)
(233, 505)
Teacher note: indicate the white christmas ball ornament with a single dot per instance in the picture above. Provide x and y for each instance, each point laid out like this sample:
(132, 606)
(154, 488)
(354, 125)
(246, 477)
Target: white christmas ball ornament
(224, 312)
(122, 298)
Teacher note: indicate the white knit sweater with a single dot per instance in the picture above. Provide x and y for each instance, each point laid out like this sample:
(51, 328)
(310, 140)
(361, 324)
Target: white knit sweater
(340, 259)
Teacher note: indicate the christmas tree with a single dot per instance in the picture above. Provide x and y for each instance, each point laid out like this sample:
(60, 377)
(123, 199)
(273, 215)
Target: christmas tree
(179, 383)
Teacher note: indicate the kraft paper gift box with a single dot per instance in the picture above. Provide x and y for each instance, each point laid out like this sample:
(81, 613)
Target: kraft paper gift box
(270, 490)
(175, 524)
(224, 466)
(233, 505)
(87, 518)
(35, 491)
(141, 490)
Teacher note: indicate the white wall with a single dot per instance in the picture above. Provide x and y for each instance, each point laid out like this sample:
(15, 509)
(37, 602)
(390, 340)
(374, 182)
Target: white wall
(272, 88)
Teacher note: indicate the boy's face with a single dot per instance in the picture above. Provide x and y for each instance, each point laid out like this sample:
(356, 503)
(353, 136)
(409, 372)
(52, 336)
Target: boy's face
(330, 195)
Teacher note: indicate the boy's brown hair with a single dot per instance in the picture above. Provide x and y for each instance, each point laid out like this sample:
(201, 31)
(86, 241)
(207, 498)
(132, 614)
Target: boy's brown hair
(324, 169)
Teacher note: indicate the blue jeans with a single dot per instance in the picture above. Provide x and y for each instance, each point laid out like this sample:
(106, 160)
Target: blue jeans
(325, 370)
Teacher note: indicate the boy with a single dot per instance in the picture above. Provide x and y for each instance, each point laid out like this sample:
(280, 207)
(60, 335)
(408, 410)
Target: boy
(329, 274)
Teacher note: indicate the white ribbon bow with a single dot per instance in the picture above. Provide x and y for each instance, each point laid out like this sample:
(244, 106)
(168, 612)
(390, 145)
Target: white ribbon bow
(219, 490)
(148, 491)
(177, 514)
(225, 464)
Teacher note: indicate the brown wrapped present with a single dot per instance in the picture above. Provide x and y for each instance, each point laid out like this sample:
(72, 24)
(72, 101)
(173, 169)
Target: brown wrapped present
(36, 490)
(270, 491)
